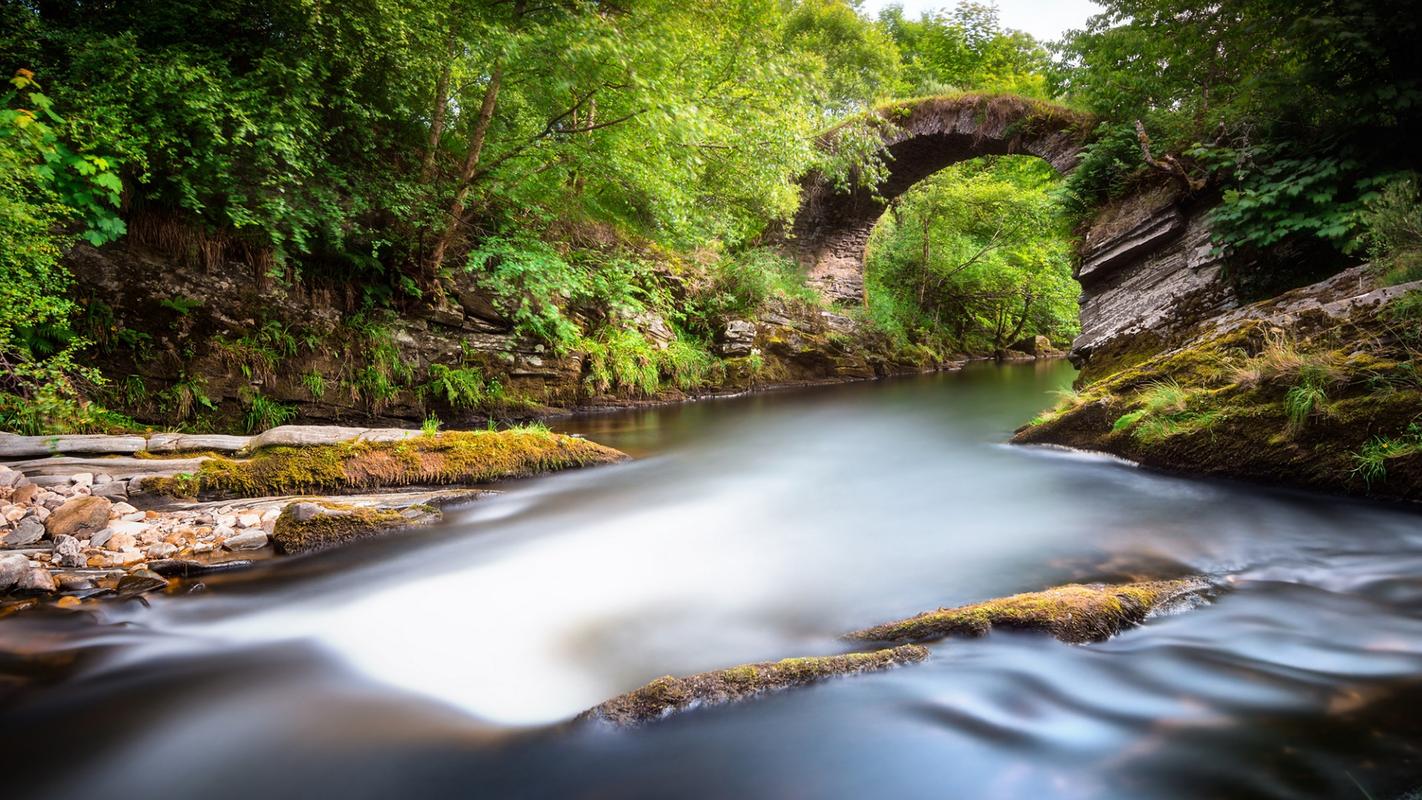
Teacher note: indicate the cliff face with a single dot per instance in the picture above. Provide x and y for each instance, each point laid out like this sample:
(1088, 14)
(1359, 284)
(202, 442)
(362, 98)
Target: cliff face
(1148, 274)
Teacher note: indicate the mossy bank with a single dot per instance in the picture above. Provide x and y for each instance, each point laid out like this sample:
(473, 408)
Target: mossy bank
(454, 458)
(1319, 388)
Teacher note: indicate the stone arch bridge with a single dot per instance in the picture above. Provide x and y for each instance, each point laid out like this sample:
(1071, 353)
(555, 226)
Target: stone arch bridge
(831, 229)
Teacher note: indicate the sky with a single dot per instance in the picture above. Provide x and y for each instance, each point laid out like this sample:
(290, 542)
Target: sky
(1044, 19)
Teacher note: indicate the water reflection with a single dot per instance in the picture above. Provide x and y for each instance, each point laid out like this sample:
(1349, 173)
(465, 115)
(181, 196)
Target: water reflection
(756, 528)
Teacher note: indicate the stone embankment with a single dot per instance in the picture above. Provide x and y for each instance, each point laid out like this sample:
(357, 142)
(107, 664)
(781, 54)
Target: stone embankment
(88, 516)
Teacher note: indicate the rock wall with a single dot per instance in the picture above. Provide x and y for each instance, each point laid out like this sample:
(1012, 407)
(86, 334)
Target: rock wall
(1148, 274)
(162, 321)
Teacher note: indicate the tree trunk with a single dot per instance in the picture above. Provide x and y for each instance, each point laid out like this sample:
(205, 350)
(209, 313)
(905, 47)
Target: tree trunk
(477, 136)
(437, 115)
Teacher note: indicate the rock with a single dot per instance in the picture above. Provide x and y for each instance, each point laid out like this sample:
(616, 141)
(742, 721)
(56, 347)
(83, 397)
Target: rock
(81, 516)
(1075, 613)
(111, 489)
(73, 583)
(28, 531)
(119, 509)
(48, 481)
(305, 527)
(667, 695)
(37, 580)
(189, 442)
(139, 582)
(161, 550)
(1034, 345)
(24, 495)
(120, 541)
(247, 540)
(249, 520)
(737, 339)
(16, 513)
(101, 478)
(9, 477)
(81, 479)
(13, 567)
(13, 447)
(68, 552)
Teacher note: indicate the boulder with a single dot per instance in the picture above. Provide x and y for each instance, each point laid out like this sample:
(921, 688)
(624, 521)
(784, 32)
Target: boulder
(82, 516)
(27, 531)
(13, 567)
(737, 338)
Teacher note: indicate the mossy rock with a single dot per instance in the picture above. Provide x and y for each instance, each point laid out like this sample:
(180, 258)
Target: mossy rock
(455, 458)
(668, 694)
(308, 526)
(1075, 613)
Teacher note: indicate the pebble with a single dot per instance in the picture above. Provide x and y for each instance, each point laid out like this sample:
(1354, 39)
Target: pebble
(122, 508)
(161, 550)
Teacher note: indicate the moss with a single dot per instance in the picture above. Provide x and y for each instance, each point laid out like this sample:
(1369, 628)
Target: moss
(1299, 406)
(306, 527)
(1075, 613)
(667, 695)
(451, 458)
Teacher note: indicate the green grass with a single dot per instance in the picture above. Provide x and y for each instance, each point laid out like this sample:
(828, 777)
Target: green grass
(263, 413)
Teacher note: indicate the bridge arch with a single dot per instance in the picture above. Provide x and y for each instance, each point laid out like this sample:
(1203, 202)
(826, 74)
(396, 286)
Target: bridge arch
(831, 229)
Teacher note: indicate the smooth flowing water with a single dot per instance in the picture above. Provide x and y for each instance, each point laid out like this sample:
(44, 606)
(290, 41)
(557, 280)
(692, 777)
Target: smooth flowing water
(445, 662)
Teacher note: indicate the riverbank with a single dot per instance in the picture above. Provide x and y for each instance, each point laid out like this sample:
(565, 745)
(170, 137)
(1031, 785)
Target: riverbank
(103, 516)
(1318, 388)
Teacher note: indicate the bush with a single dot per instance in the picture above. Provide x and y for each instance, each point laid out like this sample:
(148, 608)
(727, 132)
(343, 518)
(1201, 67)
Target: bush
(1393, 224)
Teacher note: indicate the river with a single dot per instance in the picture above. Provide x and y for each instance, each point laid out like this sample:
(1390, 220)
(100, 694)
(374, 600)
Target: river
(444, 662)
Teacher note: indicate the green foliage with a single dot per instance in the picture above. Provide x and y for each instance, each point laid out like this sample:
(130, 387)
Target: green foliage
(462, 387)
(186, 398)
(374, 371)
(623, 359)
(1306, 398)
(48, 189)
(263, 412)
(315, 384)
(431, 426)
(1371, 460)
(531, 280)
(966, 48)
(1393, 221)
(1299, 115)
(1106, 168)
(1275, 196)
(974, 259)
(180, 305)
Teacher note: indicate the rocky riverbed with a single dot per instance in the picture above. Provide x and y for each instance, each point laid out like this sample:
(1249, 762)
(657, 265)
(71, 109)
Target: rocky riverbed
(70, 531)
